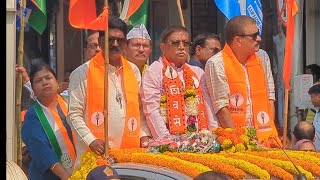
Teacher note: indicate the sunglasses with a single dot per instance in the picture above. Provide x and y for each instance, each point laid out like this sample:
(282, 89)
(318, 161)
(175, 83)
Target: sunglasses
(253, 36)
(120, 41)
(178, 43)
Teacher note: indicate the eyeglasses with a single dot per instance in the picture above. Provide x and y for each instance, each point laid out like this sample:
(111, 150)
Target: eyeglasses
(215, 50)
(138, 45)
(120, 41)
(93, 46)
(178, 43)
(252, 36)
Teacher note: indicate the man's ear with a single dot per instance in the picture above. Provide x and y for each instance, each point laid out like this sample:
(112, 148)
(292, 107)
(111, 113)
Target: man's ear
(198, 48)
(315, 137)
(237, 41)
(162, 46)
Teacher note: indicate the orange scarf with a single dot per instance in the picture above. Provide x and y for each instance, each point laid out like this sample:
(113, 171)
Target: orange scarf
(176, 100)
(262, 119)
(95, 90)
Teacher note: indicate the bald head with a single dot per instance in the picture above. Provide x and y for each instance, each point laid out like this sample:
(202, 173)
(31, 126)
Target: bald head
(304, 130)
(236, 26)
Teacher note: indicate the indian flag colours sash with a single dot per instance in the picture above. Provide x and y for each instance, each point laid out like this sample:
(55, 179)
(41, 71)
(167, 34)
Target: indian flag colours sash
(95, 102)
(175, 98)
(58, 132)
(262, 119)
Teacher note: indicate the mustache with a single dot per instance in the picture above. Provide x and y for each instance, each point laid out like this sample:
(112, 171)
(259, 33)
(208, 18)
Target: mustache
(114, 49)
(179, 52)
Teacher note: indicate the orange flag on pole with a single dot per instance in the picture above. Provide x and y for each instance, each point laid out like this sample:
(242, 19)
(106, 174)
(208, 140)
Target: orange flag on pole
(130, 7)
(292, 9)
(101, 22)
(82, 14)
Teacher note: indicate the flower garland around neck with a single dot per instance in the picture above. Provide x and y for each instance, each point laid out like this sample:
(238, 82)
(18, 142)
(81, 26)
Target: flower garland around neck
(190, 101)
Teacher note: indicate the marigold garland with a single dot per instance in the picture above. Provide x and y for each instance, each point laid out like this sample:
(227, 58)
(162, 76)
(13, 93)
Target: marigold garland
(286, 165)
(89, 161)
(214, 164)
(272, 169)
(186, 167)
(306, 156)
(307, 165)
(244, 165)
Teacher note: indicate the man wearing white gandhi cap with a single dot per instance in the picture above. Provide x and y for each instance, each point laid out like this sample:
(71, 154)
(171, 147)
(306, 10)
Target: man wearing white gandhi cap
(139, 46)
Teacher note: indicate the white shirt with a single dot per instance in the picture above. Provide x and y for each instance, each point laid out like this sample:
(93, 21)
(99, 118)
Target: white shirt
(77, 114)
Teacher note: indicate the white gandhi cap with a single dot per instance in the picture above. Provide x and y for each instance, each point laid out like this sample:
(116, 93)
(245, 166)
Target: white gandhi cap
(138, 31)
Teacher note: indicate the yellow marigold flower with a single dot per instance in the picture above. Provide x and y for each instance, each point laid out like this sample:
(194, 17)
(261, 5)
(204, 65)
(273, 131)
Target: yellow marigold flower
(163, 99)
(190, 99)
(231, 149)
(189, 93)
(228, 129)
(245, 139)
(240, 148)
(226, 144)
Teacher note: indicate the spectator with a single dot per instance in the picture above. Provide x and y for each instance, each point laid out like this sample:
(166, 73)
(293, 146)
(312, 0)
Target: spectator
(304, 133)
(314, 92)
(204, 46)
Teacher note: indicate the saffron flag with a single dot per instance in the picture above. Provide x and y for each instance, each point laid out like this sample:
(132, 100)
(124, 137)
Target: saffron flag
(292, 9)
(38, 17)
(252, 8)
(135, 12)
(82, 14)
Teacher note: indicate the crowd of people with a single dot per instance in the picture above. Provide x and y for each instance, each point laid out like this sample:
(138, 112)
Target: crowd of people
(178, 93)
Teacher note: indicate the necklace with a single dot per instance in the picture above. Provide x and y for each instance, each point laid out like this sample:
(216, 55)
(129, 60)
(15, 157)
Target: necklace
(118, 94)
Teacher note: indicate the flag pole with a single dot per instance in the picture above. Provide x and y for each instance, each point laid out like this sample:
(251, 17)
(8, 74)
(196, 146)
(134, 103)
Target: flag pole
(106, 87)
(180, 13)
(19, 85)
(285, 118)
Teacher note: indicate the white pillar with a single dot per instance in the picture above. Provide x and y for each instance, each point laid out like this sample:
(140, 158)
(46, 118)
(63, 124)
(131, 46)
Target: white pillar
(10, 79)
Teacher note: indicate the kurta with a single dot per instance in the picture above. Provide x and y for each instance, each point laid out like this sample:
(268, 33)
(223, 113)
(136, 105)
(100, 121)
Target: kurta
(151, 90)
(117, 112)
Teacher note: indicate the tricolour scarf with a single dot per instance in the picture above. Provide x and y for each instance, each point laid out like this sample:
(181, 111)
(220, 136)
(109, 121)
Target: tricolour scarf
(58, 132)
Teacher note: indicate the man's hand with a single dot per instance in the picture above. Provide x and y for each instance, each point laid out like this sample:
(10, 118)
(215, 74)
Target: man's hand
(144, 141)
(97, 146)
(21, 70)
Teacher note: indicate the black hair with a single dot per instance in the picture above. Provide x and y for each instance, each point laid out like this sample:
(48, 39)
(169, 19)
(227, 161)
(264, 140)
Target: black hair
(38, 67)
(315, 71)
(171, 29)
(89, 33)
(304, 130)
(315, 89)
(236, 26)
(115, 23)
(201, 39)
(211, 175)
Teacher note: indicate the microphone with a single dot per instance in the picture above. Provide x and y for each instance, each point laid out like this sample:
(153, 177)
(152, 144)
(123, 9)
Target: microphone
(301, 176)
